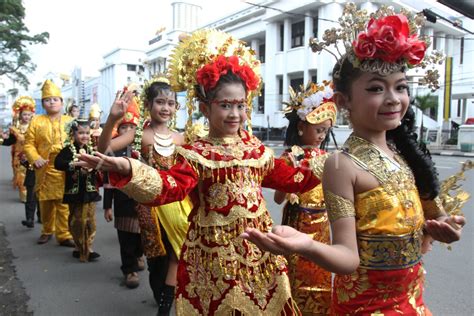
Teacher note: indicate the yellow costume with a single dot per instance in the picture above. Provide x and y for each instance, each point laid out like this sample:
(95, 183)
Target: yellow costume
(44, 139)
(389, 222)
(19, 170)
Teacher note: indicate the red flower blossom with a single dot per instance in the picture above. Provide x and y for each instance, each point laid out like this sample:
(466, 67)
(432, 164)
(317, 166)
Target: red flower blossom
(364, 47)
(416, 51)
(388, 39)
(209, 75)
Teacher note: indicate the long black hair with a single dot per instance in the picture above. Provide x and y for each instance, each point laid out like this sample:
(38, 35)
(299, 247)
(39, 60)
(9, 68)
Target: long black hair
(404, 136)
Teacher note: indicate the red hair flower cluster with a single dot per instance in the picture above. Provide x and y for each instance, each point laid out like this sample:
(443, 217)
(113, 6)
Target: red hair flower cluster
(389, 39)
(209, 75)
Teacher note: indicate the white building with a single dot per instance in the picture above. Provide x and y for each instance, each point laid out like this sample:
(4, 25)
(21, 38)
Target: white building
(279, 32)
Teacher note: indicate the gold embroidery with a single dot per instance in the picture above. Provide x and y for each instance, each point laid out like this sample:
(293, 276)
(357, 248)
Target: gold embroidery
(171, 181)
(317, 165)
(217, 195)
(298, 177)
(265, 159)
(433, 208)
(349, 286)
(146, 183)
(393, 174)
(337, 206)
(383, 252)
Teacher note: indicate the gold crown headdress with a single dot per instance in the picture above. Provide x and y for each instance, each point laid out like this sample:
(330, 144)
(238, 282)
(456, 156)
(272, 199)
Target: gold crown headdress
(383, 42)
(49, 89)
(205, 53)
(24, 103)
(95, 111)
(313, 104)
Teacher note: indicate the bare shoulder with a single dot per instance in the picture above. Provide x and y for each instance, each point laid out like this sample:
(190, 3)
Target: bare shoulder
(178, 138)
(339, 175)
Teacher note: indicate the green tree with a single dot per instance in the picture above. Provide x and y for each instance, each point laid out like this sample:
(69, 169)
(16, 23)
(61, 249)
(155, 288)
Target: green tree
(424, 102)
(15, 61)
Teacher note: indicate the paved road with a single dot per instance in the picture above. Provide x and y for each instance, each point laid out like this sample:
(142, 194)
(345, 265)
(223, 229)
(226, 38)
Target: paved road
(57, 284)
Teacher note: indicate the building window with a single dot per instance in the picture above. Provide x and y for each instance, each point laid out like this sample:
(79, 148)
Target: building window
(141, 68)
(131, 67)
(261, 100)
(315, 27)
(461, 53)
(297, 34)
(314, 78)
(261, 53)
(459, 108)
(282, 46)
(280, 86)
(296, 83)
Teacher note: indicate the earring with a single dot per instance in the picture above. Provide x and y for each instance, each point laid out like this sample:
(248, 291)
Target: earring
(300, 132)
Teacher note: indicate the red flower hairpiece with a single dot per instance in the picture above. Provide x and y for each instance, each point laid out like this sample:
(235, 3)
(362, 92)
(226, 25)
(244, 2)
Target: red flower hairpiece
(209, 74)
(388, 38)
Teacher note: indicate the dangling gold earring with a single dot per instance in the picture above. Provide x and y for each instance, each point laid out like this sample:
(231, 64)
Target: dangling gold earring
(300, 132)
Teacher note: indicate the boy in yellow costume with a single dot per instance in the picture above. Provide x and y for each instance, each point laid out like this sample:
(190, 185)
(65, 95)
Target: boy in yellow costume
(43, 141)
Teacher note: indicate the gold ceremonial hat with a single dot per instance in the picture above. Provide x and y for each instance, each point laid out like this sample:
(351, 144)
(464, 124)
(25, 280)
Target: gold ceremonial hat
(24, 103)
(49, 89)
(95, 111)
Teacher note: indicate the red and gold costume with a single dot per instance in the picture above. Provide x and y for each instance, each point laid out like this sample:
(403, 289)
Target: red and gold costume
(306, 212)
(218, 271)
(18, 131)
(389, 222)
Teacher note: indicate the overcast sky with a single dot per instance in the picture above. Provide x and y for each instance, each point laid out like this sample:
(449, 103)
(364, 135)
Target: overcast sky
(83, 31)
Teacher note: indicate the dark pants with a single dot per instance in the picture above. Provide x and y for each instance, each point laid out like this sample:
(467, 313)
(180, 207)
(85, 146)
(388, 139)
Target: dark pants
(158, 269)
(30, 204)
(130, 250)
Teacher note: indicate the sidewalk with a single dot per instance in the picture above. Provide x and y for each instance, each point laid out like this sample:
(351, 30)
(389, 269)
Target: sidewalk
(433, 150)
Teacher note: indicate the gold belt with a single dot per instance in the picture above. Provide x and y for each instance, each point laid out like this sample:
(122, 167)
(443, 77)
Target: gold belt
(385, 252)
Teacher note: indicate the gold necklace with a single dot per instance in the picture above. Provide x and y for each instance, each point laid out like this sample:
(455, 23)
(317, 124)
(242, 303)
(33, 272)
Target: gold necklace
(163, 144)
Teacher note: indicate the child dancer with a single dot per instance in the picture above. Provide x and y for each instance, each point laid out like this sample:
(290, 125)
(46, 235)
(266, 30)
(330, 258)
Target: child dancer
(381, 194)
(157, 148)
(43, 140)
(24, 108)
(126, 221)
(80, 190)
(224, 172)
(311, 112)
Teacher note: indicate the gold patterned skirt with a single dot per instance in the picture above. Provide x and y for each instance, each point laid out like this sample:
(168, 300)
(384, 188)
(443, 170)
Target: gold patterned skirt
(310, 284)
(220, 273)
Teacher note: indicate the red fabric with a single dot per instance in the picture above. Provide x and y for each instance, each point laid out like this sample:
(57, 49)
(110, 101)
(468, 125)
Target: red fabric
(389, 292)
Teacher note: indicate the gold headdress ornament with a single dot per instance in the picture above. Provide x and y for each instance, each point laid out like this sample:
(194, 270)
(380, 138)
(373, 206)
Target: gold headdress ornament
(95, 111)
(313, 103)
(383, 42)
(49, 89)
(24, 103)
(203, 56)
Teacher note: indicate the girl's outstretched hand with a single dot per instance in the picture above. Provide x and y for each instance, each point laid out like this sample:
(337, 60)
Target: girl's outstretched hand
(447, 229)
(282, 240)
(102, 162)
(120, 105)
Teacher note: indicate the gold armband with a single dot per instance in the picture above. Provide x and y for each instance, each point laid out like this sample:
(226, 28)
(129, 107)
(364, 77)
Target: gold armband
(146, 183)
(433, 208)
(337, 206)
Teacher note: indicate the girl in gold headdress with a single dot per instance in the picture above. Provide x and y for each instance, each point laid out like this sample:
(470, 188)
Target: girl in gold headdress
(23, 109)
(224, 172)
(311, 112)
(381, 191)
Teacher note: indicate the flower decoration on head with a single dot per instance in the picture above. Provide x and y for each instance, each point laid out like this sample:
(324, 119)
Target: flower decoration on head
(209, 74)
(201, 58)
(383, 42)
(313, 104)
(24, 103)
